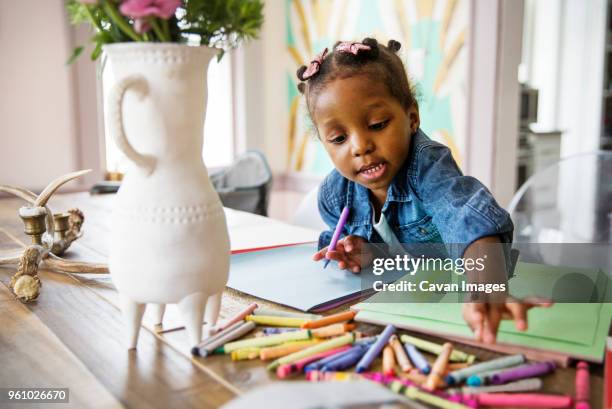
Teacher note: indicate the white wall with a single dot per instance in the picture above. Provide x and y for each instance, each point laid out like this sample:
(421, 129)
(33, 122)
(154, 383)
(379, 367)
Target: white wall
(39, 138)
(493, 94)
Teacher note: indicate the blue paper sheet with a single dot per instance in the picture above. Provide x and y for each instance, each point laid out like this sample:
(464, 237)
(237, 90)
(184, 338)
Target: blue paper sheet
(288, 276)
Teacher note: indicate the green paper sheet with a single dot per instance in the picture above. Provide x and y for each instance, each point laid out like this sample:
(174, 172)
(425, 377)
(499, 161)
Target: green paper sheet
(576, 329)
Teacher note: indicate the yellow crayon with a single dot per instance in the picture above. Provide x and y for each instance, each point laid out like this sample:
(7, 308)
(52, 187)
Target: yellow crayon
(270, 340)
(276, 321)
(284, 349)
(428, 346)
(245, 353)
(312, 350)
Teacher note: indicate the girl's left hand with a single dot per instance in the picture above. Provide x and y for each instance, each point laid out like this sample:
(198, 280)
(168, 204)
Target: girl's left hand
(350, 253)
(484, 318)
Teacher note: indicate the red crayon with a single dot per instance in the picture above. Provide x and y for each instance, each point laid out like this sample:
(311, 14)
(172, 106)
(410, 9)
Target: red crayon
(608, 376)
(287, 370)
(524, 400)
(583, 392)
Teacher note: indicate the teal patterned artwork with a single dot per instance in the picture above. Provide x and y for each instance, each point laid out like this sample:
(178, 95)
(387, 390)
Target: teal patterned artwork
(434, 51)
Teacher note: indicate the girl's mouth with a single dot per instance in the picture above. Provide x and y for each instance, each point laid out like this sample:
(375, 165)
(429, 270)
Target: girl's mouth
(373, 171)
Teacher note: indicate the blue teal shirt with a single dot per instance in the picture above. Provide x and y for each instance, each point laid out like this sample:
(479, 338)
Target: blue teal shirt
(428, 201)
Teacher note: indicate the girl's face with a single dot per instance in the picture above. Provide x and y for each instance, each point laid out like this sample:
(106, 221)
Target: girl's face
(365, 130)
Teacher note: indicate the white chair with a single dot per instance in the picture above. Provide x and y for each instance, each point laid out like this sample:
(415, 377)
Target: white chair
(307, 213)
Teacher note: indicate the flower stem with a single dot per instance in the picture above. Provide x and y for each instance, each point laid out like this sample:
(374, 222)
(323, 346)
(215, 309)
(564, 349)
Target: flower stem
(166, 29)
(158, 30)
(91, 18)
(121, 23)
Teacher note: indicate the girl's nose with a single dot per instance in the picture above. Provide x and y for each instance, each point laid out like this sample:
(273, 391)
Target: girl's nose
(361, 145)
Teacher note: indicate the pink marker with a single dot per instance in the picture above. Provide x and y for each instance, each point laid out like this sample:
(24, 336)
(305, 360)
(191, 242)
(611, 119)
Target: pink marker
(582, 386)
(287, 370)
(337, 232)
(524, 400)
(238, 317)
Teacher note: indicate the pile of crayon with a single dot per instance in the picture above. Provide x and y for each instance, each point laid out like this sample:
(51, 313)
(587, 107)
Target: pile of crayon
(325, 348)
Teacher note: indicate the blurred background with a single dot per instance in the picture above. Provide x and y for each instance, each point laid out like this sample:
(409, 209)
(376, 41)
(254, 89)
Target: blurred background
(511, 86)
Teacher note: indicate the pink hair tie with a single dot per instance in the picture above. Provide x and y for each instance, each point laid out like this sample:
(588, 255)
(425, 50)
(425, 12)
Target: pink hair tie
(351, 47)
(314, 66)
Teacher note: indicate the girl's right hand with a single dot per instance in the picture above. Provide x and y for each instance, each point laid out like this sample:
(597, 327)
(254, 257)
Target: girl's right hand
(350, 253)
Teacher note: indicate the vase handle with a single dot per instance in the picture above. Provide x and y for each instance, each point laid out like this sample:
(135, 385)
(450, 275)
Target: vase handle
(115, 103)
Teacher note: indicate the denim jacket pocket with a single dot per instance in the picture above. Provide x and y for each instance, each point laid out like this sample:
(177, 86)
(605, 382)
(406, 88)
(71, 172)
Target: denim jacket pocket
(422, 231)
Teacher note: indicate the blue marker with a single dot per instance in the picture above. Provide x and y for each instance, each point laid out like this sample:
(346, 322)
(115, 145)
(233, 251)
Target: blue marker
(417, 359)
(278, 330)
(375, 349)
(346, 360)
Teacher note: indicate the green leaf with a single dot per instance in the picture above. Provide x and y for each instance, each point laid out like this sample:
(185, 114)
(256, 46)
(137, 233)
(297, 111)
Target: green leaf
(96, 52)
(75, 54)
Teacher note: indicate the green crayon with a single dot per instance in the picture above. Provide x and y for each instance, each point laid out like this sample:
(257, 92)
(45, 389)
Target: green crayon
(315, 349)
(265, 341)
(428, 346)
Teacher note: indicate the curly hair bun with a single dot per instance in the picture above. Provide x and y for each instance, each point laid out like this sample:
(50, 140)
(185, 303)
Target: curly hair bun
(301, 87)
(300, 73)
(373, 53)
(394, 45)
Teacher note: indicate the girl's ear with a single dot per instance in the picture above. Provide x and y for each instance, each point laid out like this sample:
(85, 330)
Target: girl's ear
(414, 118)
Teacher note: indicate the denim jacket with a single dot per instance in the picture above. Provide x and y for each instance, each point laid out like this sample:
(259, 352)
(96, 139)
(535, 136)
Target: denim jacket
(428, 201)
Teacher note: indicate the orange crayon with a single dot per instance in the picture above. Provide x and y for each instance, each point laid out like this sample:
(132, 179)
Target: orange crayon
(400, 354)
(331, 319)
(438, 369)
(388, 361)
(332, 330)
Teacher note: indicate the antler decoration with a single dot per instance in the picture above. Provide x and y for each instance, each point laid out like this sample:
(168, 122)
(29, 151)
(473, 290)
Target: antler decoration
(51, 236)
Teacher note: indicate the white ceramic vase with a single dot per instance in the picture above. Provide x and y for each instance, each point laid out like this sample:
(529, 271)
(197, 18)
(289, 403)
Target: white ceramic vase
(169, 240)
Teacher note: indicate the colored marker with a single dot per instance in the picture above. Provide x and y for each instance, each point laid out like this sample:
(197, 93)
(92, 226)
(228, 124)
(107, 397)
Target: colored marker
(435, 378)
(524, 385)
(458, 376)
(523, 371)
(432, 347)
(238, 317)
(524, 400)
(400, 354)
(265, 341)
(315, 349)
(417, 359)
(332, 330)
(337, 232)
(287, 370)
(375, 349)
(583, 390)
(284, 349)
(330, 319)
(345, 361)
(388, 360)
(276, 321)
(208, 349)
(413, 393)
(276, 313)
(245, 354)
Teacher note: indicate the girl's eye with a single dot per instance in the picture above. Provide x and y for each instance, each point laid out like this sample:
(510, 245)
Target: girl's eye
(338, 139)
(379, 125)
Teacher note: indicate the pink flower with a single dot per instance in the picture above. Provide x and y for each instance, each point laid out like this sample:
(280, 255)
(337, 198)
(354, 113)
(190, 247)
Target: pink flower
(145, 8)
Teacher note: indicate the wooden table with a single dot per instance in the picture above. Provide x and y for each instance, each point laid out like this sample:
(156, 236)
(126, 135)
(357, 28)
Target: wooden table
(72, 335)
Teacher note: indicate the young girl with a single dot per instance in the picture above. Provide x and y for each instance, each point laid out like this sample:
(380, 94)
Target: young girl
(400, 186)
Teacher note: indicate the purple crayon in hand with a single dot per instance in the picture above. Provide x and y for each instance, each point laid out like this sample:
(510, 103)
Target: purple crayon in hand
(522, 372)
(337, 232)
